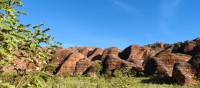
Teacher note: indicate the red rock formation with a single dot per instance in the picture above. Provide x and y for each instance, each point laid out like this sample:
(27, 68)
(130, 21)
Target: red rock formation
(68, 67)
(163, 63)
(96, 54)
(137, 54)
(111, 62)
(189, 46)
(186, 47)
(195, 62)
(113, 50)
(130, 65)
(62, 54)
(85, 50)
(82, 66)
(184, 74)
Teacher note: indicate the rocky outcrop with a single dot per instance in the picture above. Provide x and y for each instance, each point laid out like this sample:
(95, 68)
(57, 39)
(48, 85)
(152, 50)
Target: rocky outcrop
(195, 62)
(111, 62)
(137, 54)
(68, 67)
(157, 47)
(82, 66)
(186, 47)
(110, 51)
(129, 65)
(184, 74)
(62, 54)
(85, 50)
(96, 54)
(163, 63)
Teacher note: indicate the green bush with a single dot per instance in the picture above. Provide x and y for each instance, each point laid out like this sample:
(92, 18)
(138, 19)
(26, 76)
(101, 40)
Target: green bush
(95, 68)
(118, 73)
(34, 80)
(16, 37)
(51, 68)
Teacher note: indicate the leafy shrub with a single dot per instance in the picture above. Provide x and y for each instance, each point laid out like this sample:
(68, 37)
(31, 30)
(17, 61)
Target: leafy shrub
(17, 38)
(34, 80)
(118, 73)
(51, 68)
(95, 68)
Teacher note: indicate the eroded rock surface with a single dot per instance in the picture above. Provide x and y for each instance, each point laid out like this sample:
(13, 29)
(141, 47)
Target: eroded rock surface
(184, 74)
(162, 64)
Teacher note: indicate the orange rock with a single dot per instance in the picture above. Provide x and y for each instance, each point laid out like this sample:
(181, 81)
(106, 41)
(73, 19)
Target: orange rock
(137, 54)
(62, 54)
(85, 50)
(70, 63)
(111, 62)
(195, 62)
(82, 66)
(113, 50)
(163, 63)
(184, 74)
(96, 54)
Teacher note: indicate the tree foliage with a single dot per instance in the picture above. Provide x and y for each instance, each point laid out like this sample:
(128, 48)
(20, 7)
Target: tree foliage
(20, 40)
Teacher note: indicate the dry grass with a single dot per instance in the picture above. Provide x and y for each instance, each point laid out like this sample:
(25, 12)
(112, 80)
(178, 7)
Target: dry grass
(44, 80)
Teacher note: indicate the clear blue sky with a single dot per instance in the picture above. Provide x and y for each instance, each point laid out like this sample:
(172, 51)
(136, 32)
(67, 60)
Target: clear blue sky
(106, 23)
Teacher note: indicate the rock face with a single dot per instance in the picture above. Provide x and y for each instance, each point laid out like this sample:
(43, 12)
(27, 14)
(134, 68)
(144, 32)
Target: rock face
(189, 46)
(186, 48)
(163, 63)
(68, 67)
(110, 51)
(196, 51)
(62, 54)
(85, 50)
(157, 47)
(96, 54)
(137, 54)
(111, 62)
(152, 66)
(82, 66)
(184, 74)
(130, 65)
(195, 62)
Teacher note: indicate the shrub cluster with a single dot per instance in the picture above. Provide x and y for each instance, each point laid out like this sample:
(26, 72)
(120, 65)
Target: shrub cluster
(18, 40)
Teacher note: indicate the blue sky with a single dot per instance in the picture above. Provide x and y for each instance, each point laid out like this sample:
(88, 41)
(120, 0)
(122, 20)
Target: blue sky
(120, 23)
